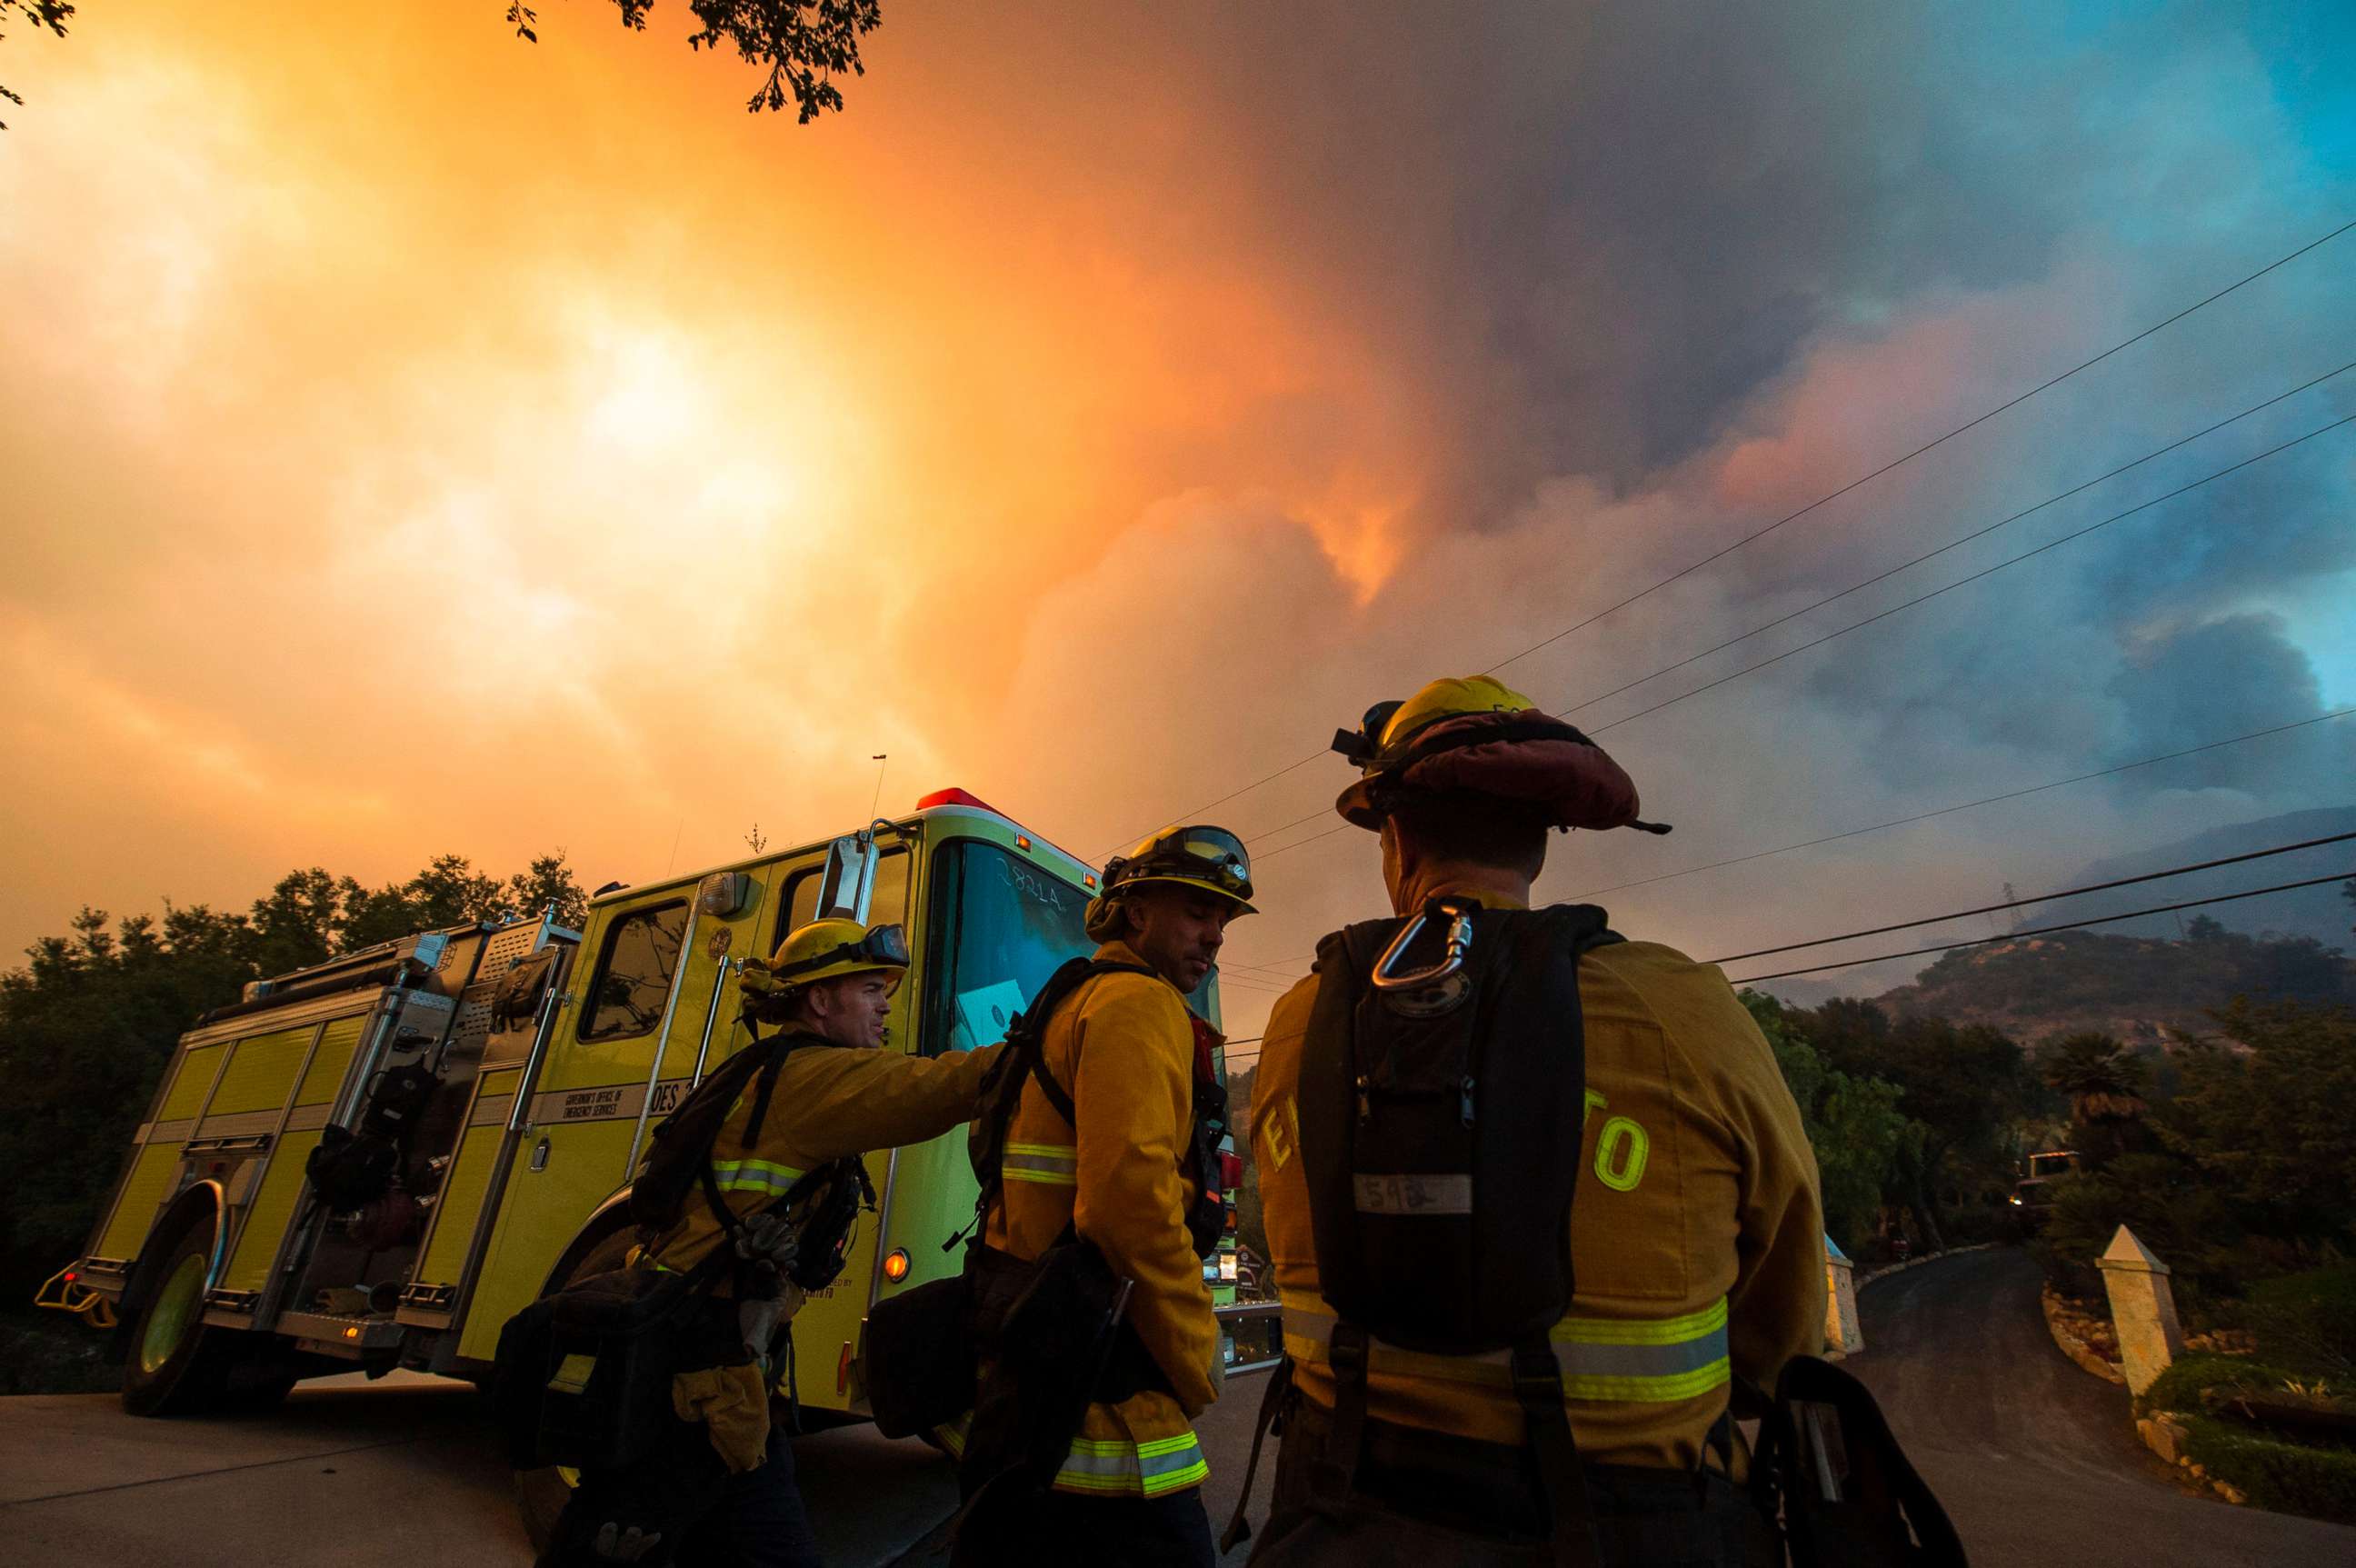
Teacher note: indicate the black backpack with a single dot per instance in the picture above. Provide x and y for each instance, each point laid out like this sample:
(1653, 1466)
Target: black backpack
(350, 1169)
(1445, 1060)
(679, 1155)
(1060, 1314)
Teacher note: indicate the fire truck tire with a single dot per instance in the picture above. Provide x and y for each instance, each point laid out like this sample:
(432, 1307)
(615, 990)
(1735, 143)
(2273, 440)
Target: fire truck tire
(541, 1494)
(173, 1364)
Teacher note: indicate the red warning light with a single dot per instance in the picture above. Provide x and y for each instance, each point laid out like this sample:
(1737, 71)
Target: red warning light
(954, 796)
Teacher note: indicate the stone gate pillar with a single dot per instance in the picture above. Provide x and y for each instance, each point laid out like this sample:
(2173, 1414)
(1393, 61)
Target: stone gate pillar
(1842, 1337)
(2143, 1308)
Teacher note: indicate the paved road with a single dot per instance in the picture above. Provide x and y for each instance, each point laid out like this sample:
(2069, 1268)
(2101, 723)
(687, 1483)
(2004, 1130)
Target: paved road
(2036, 1460)
(398, 1473)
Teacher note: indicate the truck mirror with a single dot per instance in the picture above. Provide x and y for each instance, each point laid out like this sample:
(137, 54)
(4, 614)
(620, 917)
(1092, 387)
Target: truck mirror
(848, 880)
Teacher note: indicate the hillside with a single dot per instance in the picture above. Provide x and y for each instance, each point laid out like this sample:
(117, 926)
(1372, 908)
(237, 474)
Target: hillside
(2140, 989)
(2317, 913)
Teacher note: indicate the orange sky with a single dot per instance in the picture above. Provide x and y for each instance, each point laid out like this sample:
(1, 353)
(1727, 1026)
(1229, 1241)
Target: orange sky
(415, 440)
(424, 440)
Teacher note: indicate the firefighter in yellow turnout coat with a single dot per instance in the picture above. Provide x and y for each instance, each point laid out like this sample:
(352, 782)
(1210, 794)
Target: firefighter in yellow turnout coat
(1696, 1227)
(1125, 1049)
(719, 1489)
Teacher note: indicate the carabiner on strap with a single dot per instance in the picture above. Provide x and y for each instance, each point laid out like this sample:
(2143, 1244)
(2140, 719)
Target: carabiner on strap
(1459, 943)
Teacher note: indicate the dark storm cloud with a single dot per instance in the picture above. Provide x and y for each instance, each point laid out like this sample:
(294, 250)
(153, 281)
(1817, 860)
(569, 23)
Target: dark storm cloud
(2221, 677)
(1595, 231)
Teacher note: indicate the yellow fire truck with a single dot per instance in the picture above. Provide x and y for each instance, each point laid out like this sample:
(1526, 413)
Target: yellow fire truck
(528, 1064)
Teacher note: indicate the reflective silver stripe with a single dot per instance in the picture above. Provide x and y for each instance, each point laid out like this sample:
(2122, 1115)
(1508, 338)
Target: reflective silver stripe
(753, 1176)
(1409, 1193)
(1644, 1361)
(1149, 1468)
(1055, 1165)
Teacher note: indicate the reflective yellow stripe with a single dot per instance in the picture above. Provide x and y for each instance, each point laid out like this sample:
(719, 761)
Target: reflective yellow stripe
(753, 1176)
(1050, 1164)
(1114, 1466)
(1619, 1360)
(1656, 1331)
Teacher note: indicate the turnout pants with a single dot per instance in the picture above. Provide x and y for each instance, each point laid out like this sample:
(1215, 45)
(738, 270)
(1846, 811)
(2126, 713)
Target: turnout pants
(706, 1517)
(1644, 1518)
(1169, 1532)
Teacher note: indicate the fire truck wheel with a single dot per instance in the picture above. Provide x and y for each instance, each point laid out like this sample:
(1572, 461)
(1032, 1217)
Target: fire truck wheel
(541, 1494)
(173, 1364)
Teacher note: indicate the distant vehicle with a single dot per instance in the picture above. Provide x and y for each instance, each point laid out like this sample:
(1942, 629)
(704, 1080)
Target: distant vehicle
(2031, 1194)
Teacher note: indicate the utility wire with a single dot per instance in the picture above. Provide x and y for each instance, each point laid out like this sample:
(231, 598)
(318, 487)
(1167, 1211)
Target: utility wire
(2046, 930)
(1197, 811)
(1973, 577)
(2039, 898)
(2010, 403)
(1956, 543)
(1965, 805)
(1919, 598)
(1927, 816)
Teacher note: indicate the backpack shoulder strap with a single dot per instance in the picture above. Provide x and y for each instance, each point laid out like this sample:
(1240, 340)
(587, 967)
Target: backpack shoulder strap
(1024, 1062)
(1050, 999)
(778, 1047)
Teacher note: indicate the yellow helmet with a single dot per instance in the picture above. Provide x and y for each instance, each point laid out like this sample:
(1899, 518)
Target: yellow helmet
(1390, 725)
(1209, 858)
(1474, 735)
(825, 948)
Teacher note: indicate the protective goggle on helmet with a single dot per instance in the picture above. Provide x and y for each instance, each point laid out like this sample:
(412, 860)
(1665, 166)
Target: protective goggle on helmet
(1212, 859)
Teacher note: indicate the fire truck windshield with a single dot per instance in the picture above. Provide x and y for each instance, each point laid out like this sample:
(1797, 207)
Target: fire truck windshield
(1002, 925)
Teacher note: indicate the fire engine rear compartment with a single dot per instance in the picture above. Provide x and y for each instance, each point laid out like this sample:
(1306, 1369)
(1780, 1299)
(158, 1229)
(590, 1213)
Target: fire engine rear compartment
(254, 1089)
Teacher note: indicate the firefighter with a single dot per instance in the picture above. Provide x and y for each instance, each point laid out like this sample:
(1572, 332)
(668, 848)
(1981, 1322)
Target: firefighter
(719, 1489)
(1125, 1174)
(1696, 1225)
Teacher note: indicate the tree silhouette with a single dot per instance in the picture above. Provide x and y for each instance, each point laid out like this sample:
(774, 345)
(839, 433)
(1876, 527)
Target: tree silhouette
(806, 44)
(50, 14)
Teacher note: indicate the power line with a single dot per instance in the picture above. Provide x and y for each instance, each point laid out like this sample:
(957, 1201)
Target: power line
(1958, 543)
(1965, 805)
(1919, 598)
(2039, 898)
(1242, 983)
(1257, 968)
(2010, 402)
(1973, 577)
(1197, 811)
(1924, 816)
(1313, 838)
(2046, 930)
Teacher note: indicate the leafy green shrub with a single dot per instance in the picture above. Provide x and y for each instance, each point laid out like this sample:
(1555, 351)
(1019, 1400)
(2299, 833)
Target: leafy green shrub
(2308, 1320)
(2314, 1480)
(2180, 1387)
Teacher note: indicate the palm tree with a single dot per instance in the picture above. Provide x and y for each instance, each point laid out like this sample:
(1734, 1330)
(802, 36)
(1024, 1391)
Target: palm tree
(2104, 1081)
(2105, 1084)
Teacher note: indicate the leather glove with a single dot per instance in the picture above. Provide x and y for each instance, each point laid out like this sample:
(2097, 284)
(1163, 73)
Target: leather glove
(733, 1402)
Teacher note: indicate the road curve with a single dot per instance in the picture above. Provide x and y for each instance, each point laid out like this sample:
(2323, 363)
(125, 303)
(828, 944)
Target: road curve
(2037, 1460)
